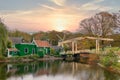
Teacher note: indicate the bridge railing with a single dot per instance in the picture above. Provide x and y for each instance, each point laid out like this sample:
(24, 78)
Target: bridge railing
(75, 52)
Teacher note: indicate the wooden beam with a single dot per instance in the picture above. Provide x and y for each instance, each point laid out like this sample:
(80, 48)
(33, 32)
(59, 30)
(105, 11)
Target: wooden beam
(81, 38)
(105, 39)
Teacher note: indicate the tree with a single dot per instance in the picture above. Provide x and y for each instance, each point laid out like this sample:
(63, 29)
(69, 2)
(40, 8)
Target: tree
(3, 38)
(102, 24)
(117, 18)
(27, 37)
(9, 44)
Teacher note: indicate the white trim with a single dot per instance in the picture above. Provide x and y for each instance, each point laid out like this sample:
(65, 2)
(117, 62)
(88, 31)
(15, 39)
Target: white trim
(46, 51)
(118, 60)
(35, 43)
(8, 53)
(9, 66)
(28, 43)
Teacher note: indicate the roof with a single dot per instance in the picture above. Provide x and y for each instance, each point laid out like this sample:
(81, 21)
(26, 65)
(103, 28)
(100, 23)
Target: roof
(40, 43)
(16, 40)
(12, 49)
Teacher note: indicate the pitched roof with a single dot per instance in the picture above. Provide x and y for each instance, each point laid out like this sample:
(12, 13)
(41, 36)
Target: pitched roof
(16, 40)
(40, 43)
(12, 49)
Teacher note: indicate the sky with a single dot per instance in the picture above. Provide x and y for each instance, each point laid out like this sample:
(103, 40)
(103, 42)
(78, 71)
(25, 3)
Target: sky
(46, 15)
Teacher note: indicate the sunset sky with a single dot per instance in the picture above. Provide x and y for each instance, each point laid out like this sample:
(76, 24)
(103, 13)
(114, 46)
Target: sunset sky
(46, 15)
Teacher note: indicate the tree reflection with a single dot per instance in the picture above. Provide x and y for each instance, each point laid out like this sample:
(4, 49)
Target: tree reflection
(3, 75)
(76, 71)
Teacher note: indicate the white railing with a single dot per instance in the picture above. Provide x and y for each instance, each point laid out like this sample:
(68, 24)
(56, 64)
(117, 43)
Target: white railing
(74, 52)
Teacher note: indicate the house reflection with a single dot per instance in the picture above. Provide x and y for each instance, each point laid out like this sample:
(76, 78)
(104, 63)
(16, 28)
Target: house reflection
(55, 69)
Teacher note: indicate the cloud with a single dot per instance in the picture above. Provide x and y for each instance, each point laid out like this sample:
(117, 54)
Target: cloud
(97, 1)
(48, 7)
(43, 16)
(94, 5)
(59, 2)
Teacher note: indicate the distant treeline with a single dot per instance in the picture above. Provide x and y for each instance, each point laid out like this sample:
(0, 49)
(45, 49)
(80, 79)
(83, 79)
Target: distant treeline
(53, 39)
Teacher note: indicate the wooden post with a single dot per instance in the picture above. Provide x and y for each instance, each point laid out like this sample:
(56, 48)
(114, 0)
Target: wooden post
(76, 46)
(73, 47)
(97, 46)
(62, 45)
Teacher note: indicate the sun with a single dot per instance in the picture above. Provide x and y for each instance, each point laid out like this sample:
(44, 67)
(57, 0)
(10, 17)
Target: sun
(60, 28)
(60, 24)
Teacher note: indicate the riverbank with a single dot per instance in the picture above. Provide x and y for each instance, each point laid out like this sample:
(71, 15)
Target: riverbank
(114, 69)
(27, 59)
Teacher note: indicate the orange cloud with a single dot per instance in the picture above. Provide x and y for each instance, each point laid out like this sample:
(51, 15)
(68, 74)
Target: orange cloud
(46, 17)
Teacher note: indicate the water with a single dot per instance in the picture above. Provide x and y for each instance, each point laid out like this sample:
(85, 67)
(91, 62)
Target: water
(54, 70)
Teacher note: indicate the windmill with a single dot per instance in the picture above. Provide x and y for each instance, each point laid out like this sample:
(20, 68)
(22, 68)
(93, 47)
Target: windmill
(61, 39)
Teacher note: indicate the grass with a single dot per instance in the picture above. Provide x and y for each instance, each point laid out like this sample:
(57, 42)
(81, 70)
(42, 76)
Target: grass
(117, 66)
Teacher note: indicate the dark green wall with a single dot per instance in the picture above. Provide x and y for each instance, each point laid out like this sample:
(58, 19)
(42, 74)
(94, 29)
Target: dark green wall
(22, 47)
(14, 53)
(41, 51)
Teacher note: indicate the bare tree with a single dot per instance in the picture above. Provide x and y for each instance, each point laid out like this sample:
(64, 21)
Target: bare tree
(117, 18)
(101, 24)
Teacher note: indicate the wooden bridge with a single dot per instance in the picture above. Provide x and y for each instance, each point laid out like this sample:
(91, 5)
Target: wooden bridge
(74, 43)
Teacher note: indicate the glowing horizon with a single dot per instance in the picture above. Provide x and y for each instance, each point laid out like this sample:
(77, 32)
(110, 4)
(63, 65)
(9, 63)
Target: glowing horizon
(46, 15)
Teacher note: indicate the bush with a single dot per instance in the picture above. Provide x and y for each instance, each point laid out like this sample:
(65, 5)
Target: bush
(110, 59)
(2, 58)
(15, 58)
(34, 57)
(52, 52)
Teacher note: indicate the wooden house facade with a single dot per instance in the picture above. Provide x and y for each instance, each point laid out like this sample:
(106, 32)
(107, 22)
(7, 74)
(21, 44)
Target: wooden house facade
(19, 48)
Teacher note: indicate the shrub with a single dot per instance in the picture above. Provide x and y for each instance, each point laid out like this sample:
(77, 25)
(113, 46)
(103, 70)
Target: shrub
(52, 51)
(2, 58)
(34, 57)
(110, 59)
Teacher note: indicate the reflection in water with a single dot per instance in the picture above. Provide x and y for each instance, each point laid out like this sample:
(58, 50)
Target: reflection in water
(54, 70)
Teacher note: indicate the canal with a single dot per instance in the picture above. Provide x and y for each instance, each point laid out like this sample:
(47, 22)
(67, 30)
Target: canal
(54, 70)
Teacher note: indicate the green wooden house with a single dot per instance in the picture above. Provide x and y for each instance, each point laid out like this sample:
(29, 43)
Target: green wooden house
(19, 48)
(42, 47)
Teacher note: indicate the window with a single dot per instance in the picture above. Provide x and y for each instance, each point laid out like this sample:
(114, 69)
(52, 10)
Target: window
(26, 50)
(33, 50)
(15, 52)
